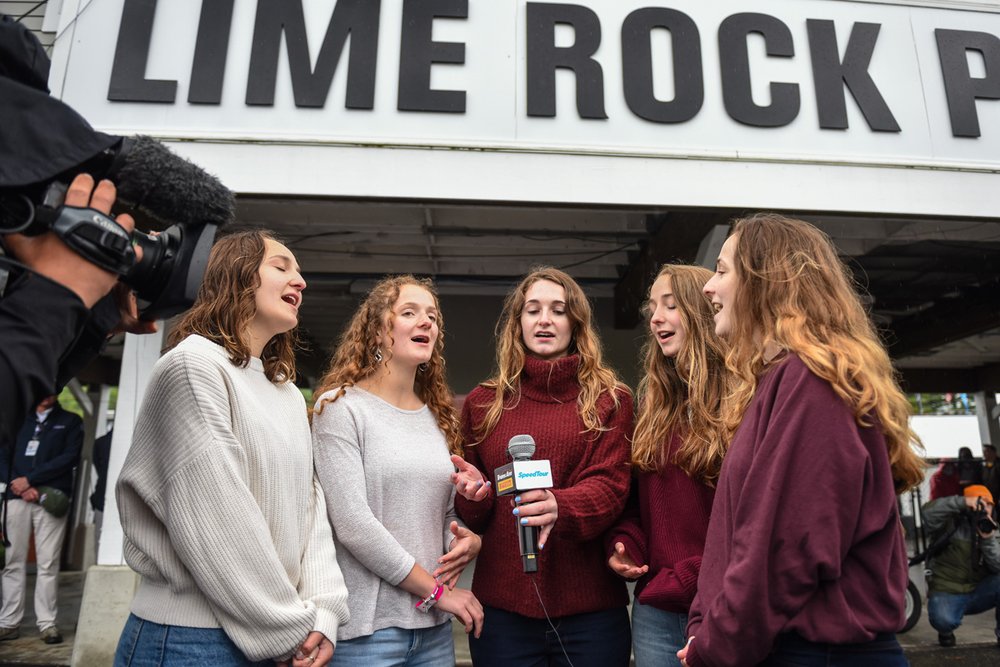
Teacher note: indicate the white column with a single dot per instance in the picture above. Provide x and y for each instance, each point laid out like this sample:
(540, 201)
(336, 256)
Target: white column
(986, 414)
(140, 353)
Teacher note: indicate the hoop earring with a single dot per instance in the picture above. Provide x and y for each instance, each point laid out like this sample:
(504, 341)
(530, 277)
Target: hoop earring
(423, 367)
(378, 355)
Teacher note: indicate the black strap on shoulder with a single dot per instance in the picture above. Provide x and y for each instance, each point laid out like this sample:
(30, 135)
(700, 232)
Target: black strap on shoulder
(935, 548)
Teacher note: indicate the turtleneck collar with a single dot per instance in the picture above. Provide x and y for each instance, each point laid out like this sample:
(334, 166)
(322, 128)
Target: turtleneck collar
(551, 381)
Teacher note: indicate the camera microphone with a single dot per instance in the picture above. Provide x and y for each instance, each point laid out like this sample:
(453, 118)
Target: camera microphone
(164, 186)
(524, 474)
(157, 182)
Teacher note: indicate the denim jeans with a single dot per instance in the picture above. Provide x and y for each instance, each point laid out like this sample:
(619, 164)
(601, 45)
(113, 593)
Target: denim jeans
(396, 647)
(791, 650)
(594, 639)
(657, 635)
(147, 644)
(945, 610)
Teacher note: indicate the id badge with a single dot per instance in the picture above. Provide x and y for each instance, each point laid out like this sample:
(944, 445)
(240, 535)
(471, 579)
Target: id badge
(32, 448)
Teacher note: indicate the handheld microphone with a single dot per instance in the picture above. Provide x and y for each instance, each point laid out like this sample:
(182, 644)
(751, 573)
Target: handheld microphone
(524, 474)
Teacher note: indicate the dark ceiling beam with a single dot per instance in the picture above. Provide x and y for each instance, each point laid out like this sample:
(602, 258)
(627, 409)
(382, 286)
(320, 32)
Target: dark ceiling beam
(977, 309)
(940, 380)
(673, 237)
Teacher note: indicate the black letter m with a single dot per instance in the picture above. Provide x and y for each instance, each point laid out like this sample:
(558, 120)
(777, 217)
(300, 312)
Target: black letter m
(355, 18)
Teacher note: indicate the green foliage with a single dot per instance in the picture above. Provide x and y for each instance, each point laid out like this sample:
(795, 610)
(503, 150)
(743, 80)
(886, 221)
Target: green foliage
(943, 404)
(69, 402)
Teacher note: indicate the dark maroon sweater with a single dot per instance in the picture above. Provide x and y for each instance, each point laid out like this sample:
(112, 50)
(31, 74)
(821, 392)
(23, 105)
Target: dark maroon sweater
(805, 534)
(664, 526)
(591, 475)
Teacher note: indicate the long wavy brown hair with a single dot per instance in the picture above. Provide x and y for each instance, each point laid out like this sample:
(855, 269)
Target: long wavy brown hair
(354, 359)
(226, 304)
(683, 394)
(794, 292)
(594, 377)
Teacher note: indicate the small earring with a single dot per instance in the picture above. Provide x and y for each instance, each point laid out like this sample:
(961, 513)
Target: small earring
(378, 355)
(423, 367)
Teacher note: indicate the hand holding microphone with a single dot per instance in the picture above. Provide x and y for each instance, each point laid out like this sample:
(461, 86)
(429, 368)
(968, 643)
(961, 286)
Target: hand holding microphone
(535, 506)
(537, 509)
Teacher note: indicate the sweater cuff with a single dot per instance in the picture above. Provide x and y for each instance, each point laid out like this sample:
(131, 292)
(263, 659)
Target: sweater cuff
(328, 623)
(396, 578)
(687, 572)
(632, 548)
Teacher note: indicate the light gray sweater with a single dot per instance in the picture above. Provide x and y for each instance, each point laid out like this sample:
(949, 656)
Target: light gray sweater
(222, 515)
(385, 472)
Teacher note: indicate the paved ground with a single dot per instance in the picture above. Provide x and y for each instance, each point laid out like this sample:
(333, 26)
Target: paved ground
(29, 649)
(977, 646)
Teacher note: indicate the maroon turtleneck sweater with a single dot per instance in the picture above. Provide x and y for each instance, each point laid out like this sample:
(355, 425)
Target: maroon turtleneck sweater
(805, 534)
(591, 475)
(664, 526)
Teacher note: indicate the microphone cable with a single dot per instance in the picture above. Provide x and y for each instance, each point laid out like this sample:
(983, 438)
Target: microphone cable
(551, 625)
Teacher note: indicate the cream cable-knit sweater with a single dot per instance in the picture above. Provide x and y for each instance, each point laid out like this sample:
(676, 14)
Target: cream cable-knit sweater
(222, 516)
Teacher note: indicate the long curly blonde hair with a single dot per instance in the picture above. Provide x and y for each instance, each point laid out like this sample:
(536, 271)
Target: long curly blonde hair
(683, 394)
(594, 377)
(227, 303)
(355, 357)
(795, 293)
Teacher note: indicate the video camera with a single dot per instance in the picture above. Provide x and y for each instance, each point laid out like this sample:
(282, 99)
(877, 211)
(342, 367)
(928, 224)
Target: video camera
(44, 144)
(156, 184)
(982, 519)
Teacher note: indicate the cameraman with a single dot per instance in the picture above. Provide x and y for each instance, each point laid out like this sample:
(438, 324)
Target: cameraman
(53, 312)
(964, 575)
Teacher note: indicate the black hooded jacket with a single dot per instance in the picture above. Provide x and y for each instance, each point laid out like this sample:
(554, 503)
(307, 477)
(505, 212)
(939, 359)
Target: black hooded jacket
(47, 333)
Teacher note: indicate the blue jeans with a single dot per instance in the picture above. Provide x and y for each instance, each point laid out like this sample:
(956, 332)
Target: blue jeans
(396, 647)
(657, 635)
(147, 644)
(791, 650)
(945, 610)
(594, 639)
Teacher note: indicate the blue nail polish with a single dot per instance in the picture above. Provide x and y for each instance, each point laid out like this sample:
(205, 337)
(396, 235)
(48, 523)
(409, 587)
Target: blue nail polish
(524, 522)
(517, 499)
(517, 511)
(489, 483)
(479, 483)
(541, 546)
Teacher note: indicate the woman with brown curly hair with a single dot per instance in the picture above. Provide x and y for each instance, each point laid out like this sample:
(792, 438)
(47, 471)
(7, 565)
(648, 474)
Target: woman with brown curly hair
(551, 383)
(223, 519)
(804, 560)
(677, 451)
(383, 427)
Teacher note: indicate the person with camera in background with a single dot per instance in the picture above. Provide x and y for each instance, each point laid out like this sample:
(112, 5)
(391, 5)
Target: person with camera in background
(46, 452)
(964, 574)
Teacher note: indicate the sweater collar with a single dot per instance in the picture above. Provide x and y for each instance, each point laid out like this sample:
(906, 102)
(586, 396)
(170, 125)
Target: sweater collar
(551, 381)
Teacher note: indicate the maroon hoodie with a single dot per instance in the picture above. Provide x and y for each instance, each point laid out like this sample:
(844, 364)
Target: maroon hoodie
(805, 534)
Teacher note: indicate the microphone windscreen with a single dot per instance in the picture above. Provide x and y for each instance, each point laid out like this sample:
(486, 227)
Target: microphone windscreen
(169, 188)
(521, 447)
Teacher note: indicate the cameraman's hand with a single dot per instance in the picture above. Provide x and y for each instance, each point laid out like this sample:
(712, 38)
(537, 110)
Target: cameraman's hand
(129, 310)
(48, 255)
